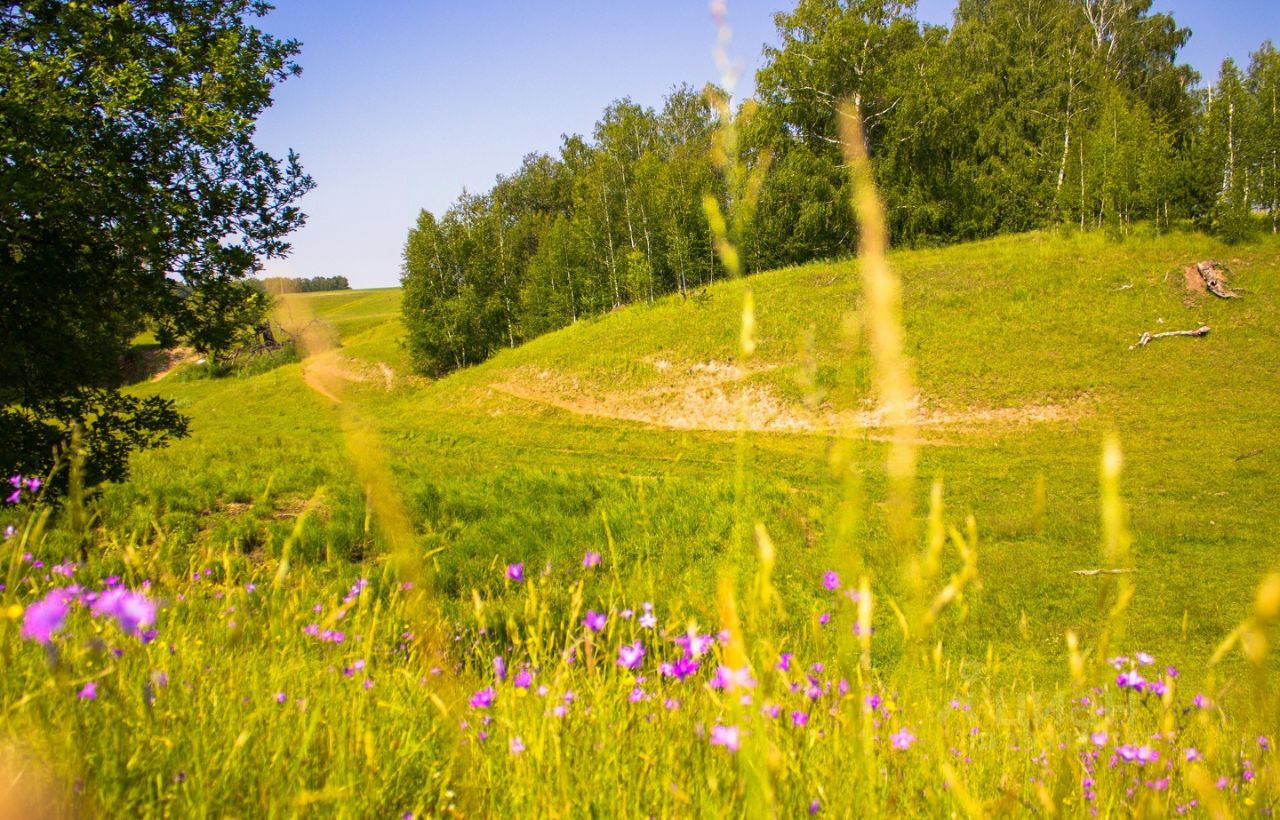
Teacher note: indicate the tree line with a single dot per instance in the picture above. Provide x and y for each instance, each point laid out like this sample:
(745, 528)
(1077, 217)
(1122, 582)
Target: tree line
(1021, 114)
(289, 284)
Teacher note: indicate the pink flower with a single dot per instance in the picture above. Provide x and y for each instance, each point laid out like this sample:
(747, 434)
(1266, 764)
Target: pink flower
(728, 678)
(515, 572)
(591, 559)
(726, 736)
(482, 699)
(594, 621)
(902, 739)
(831, 580)
(89, 692)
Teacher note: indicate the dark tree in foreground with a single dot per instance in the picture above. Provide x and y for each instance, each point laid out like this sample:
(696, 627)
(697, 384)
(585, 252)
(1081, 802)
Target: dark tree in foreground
(131, 195)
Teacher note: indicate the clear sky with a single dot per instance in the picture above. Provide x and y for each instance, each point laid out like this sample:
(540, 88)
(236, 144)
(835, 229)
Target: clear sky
(403, 103)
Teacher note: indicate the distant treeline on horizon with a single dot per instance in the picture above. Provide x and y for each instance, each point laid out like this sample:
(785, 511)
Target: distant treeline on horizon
(1021, 115)
(287, 284)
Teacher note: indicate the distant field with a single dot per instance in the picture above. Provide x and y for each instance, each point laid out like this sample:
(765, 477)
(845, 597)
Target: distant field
(1021, 347)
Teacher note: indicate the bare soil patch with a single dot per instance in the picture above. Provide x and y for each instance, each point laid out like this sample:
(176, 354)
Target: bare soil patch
(713, 396)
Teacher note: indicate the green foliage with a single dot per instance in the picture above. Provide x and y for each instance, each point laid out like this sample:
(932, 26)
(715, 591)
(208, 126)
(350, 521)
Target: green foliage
(217, 318)
(35, 437)
(606, 223)
(134, 196)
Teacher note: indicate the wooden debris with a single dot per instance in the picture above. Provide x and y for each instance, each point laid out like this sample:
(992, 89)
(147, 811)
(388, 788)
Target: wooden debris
(1092, 572)
(1250, 454)
(1147, 338)
(1214, 275)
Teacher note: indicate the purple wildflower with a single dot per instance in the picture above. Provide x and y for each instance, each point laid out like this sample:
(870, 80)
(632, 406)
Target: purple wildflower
(591, 559)
(523, 678)
(831, 580)
(1131, 680)
(482, 699)
(516, 746)
(45, 617)
(694, 645)
(594, 621)
(799, 718)
(681, 668)
(630, 656)
(132, 610)
(89, 692)
(784, 661)
(515, 572)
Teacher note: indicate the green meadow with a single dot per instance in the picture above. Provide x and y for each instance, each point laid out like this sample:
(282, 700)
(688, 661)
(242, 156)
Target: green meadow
(1022, 351)
(704, 480)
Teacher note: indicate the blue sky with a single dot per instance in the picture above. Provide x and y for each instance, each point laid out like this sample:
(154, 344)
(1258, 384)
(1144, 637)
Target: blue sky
(403, 103)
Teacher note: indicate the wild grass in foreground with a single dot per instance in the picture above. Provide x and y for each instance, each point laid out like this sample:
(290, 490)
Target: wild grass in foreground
(239, 687)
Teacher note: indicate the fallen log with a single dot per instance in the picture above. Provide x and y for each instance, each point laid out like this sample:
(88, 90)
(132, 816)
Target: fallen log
(1147, 338)
(1215, 279)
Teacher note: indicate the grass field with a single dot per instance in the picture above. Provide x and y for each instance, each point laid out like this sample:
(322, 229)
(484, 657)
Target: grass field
(645, 437)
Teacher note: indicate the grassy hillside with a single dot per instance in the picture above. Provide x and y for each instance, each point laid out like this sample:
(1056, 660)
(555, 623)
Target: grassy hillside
(1022, 352)
(254, 632)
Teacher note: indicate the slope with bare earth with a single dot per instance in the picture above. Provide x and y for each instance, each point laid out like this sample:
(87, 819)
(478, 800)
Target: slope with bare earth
(623, 431)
